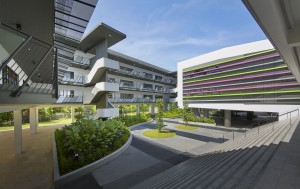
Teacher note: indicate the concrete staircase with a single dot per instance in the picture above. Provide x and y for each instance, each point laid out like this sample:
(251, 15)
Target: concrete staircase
(233, 164)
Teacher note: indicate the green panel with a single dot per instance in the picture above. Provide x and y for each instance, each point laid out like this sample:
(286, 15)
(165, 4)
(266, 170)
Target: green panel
(226, 61)
(237, 74)
(244, 94)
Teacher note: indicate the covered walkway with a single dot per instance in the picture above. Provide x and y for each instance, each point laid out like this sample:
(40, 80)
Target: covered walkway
(34, 167)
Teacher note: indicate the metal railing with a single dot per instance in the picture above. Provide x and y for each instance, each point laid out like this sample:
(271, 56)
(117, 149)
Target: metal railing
(133, 100)
(76, 80)
(260, 124)
(70, 99)
(142, 75)
(30, 68)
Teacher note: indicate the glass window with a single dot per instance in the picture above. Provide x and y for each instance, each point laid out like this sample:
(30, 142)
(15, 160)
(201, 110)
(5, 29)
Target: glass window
(148, 75)
(158, 78)
(127, 83)
(148, 86)
(126, 96)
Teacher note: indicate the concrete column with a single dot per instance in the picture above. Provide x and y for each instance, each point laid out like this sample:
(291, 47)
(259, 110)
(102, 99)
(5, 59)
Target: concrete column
(33, 120)
(72, 114)
(138, 109)
(152, 112)
(18, 131)
(165, 106)
(227, 118)
(206, 112)
(169, 106)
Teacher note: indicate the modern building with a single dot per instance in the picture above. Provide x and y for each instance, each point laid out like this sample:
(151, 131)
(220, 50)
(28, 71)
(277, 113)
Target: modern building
(247, 77)
(125, 80)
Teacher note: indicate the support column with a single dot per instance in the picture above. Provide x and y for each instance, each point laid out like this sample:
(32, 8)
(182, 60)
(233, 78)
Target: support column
(33, 120)
(138, 109)
(72, 114)
(165, 106)
(206, 112)
(227, 118)
(18, 131)
(152, 112)
(169, 106)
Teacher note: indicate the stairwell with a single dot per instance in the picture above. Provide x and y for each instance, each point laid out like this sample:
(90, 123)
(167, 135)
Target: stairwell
(233, 164)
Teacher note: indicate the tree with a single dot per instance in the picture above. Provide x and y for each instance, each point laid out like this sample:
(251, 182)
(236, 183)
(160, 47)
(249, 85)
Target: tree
(187, 113)
(159, 116)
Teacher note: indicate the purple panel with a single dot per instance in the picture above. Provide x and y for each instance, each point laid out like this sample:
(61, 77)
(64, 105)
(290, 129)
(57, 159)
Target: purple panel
(239, 78)
(245, 88)
(231, 65)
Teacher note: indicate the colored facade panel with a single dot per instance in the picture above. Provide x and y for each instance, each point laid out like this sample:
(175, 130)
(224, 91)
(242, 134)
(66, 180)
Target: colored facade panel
(251, 76)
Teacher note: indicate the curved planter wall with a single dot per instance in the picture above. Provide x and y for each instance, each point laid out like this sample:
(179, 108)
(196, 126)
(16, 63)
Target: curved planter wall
(59, 180)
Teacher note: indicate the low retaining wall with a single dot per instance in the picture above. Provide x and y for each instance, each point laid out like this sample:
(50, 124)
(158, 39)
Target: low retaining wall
(59, 180)
(190, 123)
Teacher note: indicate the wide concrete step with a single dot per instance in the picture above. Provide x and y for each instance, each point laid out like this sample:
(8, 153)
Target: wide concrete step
(226, 167)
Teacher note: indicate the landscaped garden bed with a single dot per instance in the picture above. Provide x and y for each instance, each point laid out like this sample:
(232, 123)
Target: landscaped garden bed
(159, 134)
(87, 141)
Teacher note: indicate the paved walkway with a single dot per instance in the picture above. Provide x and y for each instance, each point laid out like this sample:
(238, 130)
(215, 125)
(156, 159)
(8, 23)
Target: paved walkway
(34, 168)
(141, 161)
(189, 141)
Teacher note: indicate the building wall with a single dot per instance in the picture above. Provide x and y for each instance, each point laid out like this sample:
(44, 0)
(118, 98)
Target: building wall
(246, 75)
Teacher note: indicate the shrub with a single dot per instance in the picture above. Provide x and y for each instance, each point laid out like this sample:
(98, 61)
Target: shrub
(173, 113)
(84, 142)
(132, 120)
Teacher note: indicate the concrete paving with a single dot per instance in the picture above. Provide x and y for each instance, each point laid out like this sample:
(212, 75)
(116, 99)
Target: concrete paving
(34, 167)
(189, 141)
(141, 161)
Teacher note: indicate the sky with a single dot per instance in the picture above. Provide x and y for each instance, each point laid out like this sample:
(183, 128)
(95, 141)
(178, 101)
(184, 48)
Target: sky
(164, 32)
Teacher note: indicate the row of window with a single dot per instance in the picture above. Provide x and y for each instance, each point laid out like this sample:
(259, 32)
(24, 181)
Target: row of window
(144, 74)
(131, 96)
(126, 83)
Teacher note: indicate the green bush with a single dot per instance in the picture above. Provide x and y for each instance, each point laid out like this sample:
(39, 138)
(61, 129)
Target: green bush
(173, 113)
(201, 119)
(84, 142)
(132, 120)
(7, 118)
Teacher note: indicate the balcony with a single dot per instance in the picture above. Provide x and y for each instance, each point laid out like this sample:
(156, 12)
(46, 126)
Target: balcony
(77, 80)
(102, 88)
(70, 100)
(133, 100)
(141, 75)
(174, 90)
(99, 68)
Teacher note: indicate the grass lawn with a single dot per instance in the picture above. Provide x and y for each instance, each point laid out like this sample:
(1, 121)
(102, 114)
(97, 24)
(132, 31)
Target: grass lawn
(41, 124)
(156, 134)
(186, 127)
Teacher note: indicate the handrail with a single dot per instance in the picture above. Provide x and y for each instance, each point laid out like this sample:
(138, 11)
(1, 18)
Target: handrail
(290, 112)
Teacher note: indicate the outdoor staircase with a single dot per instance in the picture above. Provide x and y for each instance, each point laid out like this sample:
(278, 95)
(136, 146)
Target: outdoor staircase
(233, 164)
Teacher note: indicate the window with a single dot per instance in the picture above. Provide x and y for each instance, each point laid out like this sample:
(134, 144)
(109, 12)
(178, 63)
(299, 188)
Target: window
(9, 77)
(69, 75)
(66, 93)
(71, 93)
(158, 88)
(148, 75)
(147, 86)
(148, 96)
(126, 83)
(128, 70)
(158, 78)
(126, 96)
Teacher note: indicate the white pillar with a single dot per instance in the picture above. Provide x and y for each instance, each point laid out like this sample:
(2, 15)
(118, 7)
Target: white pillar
(18, 131)
(138, 109)
(227, 118)
(72, 114)
(152, 112)
(169, 106)
(33, 120)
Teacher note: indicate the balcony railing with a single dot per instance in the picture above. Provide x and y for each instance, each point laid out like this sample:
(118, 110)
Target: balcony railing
(70, 100)
(133, 100)
(142, 75)
(77, 80)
